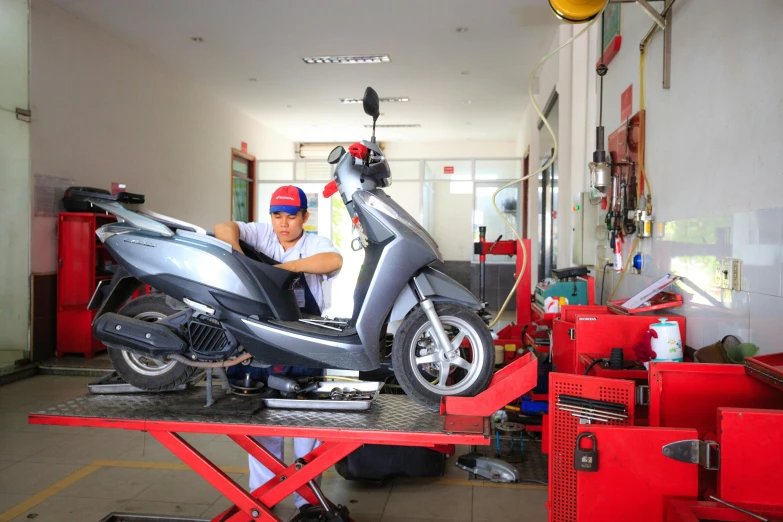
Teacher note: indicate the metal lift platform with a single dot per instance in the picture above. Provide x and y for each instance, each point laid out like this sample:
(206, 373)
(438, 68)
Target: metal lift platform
(392, 420)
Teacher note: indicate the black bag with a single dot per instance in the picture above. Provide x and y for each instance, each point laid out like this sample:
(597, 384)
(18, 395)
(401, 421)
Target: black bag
(380, 463)
(78, 204)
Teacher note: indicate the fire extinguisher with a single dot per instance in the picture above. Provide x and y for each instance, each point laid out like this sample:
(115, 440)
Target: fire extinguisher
(617, 239)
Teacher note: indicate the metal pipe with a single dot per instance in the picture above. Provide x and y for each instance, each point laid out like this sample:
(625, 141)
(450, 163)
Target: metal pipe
(654, 27)
(732, 506)
(652, 13)
(203, 364)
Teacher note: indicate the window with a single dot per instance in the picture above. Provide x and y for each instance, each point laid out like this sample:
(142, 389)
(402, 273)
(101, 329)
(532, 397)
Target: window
(243, 186)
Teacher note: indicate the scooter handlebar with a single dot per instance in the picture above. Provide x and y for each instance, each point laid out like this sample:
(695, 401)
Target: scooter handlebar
(330, 189)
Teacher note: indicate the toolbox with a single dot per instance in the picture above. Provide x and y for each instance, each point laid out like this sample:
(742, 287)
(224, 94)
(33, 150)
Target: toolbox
(595, 330)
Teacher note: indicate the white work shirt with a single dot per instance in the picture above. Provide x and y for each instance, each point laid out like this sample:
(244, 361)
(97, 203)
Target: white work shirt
(262, 237)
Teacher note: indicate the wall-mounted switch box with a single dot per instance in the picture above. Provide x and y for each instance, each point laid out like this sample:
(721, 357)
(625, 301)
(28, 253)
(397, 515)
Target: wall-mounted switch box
(728, 274)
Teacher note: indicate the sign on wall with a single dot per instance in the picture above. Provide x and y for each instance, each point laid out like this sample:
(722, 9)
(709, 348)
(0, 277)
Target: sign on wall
(611, 35)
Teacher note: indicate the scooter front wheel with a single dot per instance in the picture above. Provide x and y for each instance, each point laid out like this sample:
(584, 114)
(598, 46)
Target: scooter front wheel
(426, 372)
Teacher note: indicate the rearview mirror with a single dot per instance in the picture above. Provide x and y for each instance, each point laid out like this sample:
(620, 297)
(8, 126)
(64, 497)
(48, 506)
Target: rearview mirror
(371, 103)
(335, 155)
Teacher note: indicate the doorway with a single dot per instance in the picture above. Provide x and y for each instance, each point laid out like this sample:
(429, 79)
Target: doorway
(243, 186)
(547, 192)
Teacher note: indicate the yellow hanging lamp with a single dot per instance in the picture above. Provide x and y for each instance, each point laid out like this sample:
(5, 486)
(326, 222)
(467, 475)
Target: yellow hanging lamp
(576, 11)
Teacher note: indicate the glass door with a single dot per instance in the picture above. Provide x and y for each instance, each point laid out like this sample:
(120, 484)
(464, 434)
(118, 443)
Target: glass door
(547, 219)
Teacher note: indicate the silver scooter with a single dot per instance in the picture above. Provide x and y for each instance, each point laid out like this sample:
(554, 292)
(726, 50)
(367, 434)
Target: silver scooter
(215, 307)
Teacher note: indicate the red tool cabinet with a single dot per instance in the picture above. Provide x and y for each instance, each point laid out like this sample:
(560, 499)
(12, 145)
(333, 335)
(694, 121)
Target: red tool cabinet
(595, 330)
(82, 262)
(633, 477)
(562, 432)
(746, 432)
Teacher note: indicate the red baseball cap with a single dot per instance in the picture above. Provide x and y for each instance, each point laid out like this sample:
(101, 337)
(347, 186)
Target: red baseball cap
(289, 199)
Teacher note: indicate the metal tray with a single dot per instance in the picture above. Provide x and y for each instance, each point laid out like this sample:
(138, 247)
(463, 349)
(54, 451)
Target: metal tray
(327, 404)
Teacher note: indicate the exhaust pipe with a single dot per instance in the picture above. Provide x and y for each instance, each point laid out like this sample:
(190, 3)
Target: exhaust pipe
(152, 339)
(137, 336)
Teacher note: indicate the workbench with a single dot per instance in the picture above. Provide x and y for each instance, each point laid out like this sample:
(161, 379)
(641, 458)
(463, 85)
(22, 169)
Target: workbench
(392, 420)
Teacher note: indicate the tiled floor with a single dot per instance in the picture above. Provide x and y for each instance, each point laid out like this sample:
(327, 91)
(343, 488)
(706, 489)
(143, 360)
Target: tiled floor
(50, 474)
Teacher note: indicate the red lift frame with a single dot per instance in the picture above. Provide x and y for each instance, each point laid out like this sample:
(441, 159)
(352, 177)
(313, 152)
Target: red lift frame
(464, 422)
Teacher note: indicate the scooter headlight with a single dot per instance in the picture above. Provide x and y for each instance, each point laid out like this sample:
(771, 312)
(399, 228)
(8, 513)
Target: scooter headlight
(113, 229)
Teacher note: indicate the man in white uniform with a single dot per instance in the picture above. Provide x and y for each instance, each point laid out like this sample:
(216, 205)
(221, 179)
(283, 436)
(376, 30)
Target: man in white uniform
(286, 241)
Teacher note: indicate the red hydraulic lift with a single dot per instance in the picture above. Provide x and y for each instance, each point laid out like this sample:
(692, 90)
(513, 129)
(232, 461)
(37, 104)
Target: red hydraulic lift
(392, 420)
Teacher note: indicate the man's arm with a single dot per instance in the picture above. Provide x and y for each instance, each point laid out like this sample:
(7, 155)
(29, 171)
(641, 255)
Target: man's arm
(324, 263)
(229, 232)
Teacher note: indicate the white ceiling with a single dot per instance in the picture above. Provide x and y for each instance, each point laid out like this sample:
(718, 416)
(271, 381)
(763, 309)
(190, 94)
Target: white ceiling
(266, 39)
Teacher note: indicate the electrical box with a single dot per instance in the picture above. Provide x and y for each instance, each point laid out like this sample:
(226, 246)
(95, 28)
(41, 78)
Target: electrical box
(728, 274)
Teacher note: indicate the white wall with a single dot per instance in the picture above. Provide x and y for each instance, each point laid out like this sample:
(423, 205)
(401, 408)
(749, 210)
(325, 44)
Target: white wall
(714, 157)
(14, 184)
(104, 112)
(448, 150)
(714, 138)
(555, 74)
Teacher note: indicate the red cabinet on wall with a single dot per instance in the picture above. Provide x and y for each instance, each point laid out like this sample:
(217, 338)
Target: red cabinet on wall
(83, 261)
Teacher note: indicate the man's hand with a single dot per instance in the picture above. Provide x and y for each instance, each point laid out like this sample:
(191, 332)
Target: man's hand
(324, 263)
(229, 232)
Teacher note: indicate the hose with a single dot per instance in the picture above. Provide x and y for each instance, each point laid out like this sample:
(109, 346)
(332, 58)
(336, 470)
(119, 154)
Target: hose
(625, 268)
(203, 364)
(546, 165)
(590, 366)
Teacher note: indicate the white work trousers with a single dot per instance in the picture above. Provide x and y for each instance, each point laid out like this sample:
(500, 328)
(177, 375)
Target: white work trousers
(260, 475)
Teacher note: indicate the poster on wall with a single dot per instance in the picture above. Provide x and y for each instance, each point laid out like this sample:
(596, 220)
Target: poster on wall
(312, 208)
(611, 38)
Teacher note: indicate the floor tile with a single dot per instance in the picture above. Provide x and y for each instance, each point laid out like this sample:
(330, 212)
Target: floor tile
(6, 462)
(356, 496)
(9, 500)
(224, 453)
(394, 518)
(116, 483)
(429, 501)
(501, 504)
(283, 513)
(21, 444)
(84, 449)
(28, 478)
(150, 450)
(149, 507)
(184, 487)
(201, 439)
(366, 517)
(70, 509)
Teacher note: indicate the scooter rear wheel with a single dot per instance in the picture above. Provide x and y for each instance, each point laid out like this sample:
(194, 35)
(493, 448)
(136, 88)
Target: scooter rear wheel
(144, 372)
(427, 373)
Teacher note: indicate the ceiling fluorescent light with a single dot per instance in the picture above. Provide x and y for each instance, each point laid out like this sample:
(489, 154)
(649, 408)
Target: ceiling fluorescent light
(390, 100)
(396, 126)
(381, 58)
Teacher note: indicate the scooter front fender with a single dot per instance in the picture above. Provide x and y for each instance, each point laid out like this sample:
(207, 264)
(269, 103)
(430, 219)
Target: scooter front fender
(435, 285)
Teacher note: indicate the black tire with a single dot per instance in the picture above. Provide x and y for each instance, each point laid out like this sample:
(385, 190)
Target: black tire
(131, 366)
(408, 338)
